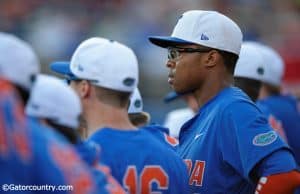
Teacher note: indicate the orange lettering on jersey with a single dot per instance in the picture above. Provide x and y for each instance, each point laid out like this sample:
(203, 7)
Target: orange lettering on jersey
(197, 175)
(152, 174)
(130, 180)
(143, 184)
(22, 145)
(113, 186)
(171, 140)
(189, 165)
(72, 169)
(3, 140)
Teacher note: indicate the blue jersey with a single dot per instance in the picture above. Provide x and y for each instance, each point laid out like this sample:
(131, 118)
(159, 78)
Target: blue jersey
(223, 143)
(141, 162)
(274, 122)
(31, 157)
(285, 109)
(90, 154)
(162, 134)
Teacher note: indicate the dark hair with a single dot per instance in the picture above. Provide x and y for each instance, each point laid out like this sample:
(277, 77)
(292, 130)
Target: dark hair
(69, 133)
(230, 60)
(23, 93)
(250, 86)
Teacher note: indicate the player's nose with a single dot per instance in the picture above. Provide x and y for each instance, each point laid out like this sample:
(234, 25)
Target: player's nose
(170, 64)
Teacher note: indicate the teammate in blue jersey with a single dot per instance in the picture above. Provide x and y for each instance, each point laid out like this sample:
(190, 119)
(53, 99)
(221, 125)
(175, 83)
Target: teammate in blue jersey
(283, 106)
(248, 76)
(228, 145)
(29, 157)
(104, 73)
(140, 118)
(60, 113)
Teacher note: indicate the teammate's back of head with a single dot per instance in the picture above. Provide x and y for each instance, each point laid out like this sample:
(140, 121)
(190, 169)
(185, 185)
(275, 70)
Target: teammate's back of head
(18, 63)
(56, 104)
(109, 65)
(250, 70)
(274, 70)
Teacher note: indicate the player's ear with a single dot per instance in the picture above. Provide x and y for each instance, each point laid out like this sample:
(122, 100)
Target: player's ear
(84, 89)
(211, 58)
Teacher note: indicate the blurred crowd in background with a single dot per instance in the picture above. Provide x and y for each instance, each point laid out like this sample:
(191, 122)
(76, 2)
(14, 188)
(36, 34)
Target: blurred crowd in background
(56, 27)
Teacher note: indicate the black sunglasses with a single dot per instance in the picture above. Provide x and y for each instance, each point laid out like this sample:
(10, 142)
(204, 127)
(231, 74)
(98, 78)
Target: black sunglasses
(174, 52)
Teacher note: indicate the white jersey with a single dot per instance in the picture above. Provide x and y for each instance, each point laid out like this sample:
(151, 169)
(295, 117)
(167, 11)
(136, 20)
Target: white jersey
(176, 118)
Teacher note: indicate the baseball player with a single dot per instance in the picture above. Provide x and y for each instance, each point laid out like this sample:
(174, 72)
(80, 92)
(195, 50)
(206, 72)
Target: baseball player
(228, 146)
(283, 106)
(29, 156)
(60, 113)
(248, 75)
(104, 73)
(138, 117)
(18, 63)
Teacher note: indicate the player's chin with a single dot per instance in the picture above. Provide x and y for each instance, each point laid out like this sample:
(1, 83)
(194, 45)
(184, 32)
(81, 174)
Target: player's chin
(177, 89)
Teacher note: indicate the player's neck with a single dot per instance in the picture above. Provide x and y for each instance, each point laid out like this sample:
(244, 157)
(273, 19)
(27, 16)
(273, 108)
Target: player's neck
(100, 116)
(211, 87)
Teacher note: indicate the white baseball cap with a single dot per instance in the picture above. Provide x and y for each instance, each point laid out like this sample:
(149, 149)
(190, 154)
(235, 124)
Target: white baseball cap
(18, 62)
(250, 63)
(53, 99)
(106, 63)
(207, 28)
(274, 64)
(136, 102)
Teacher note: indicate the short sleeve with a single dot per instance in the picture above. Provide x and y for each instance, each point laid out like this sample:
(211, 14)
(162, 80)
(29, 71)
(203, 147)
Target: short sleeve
(246, 137)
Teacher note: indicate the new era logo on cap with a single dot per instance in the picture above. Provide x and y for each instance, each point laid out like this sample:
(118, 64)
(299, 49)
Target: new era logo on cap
(80, 68)
(204, 37)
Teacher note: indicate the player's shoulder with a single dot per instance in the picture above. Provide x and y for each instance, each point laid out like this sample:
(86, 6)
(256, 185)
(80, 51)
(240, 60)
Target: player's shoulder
(162, 134)
(88, 151)
(230, 100)
(228, 97)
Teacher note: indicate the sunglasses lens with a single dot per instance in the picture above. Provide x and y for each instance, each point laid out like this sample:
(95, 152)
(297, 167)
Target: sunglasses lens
(172, 54)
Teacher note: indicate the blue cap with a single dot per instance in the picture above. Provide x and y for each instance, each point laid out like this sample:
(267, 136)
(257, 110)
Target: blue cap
(167, 41)
(62, 67)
